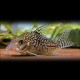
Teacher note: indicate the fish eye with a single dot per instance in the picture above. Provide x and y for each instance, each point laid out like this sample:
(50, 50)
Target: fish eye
(20, 41)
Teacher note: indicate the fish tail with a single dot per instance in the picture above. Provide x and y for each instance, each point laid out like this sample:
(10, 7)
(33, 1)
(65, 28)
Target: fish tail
(64, 40)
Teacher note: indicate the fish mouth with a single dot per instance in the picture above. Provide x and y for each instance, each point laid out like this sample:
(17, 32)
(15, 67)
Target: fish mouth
(16, 48)
(13, 47)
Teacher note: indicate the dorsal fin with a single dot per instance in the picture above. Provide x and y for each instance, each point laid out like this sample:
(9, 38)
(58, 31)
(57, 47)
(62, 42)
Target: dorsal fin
(39, 29)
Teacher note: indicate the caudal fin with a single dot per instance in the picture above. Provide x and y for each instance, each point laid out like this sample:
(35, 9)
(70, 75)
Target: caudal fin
(64, 40)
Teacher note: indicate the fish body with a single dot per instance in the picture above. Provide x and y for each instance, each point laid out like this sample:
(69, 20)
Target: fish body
(34, 43)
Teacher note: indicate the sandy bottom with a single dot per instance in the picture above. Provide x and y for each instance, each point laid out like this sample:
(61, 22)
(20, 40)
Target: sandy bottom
(59, 54)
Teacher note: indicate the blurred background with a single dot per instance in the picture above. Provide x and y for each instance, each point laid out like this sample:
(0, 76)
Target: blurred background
(52, 30)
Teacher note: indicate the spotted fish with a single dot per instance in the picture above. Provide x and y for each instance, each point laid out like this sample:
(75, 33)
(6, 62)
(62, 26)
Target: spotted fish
(34, 43)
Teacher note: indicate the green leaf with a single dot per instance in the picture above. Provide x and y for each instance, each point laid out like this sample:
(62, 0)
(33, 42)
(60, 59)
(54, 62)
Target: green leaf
(7, 26)
(35, 25)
